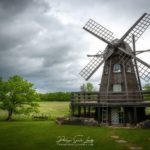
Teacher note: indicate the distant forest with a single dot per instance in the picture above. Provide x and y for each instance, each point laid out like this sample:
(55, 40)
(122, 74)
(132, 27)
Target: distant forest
(55, 96)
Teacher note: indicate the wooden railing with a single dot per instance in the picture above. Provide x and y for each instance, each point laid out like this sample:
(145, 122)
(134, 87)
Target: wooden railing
(110, 97)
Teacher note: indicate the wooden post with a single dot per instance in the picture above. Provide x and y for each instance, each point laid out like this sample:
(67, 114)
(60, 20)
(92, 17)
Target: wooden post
(72, 110)
(89, 111)
(124, 119)
(135, 115)
(130, 112)
(84, 111)
(125, 79)
(109, 77)
(79, 111)
(98, 113)
(138, 77)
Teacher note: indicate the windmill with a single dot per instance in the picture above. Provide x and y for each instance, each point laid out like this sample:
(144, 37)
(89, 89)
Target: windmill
(122, 71)
(132, 35)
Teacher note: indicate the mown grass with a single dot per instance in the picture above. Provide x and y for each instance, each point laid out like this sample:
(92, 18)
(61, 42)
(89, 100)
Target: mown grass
(24, 134)
(37, 135)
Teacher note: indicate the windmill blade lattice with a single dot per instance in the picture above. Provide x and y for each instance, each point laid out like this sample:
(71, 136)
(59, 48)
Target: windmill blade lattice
(99, 31)
(144, 71)
(123, 57)
(137, 29)
(94, 64)
(91, 67)
(143, 67)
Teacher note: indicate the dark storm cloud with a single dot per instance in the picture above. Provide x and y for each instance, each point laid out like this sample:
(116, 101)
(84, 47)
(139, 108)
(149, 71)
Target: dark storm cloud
(37, 46)
(10, 8)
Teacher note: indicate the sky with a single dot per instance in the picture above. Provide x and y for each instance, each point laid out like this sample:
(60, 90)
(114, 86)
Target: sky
(44, 42)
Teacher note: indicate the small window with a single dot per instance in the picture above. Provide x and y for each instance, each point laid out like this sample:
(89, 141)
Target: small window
(117, 68)
(128, 68)
(117, 88)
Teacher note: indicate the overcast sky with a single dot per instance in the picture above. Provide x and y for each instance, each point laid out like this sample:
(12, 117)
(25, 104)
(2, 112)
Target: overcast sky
(43, 40)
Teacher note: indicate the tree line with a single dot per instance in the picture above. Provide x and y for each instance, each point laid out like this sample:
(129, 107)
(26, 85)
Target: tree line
(65, 96)
(55, 96)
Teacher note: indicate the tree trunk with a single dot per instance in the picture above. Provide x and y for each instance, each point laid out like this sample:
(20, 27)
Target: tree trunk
(9, 115)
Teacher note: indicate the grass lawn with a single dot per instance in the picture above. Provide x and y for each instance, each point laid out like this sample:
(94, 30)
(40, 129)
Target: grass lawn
(25, 134)
(37, 135)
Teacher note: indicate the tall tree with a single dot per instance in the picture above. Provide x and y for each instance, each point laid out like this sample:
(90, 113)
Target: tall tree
(89, 87)
(17, 96)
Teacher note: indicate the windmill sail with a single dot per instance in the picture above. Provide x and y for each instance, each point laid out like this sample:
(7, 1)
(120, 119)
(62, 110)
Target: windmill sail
(94, 64)
(144, 71)
(99, 31)
(137, 29)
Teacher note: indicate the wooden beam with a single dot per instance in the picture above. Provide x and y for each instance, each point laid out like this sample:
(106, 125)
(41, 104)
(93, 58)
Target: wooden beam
(84, 111)
(134, 50)
(135, 115)
(79, 111)
(98, 114)
(89, 111)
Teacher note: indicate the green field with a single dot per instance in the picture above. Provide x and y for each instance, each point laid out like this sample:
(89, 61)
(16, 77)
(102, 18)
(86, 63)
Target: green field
(25, 134)
(51, 109)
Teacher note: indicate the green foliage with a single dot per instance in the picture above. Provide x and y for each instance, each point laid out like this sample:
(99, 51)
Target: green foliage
(55, 96)
(88, 87)
(147, 87)
(17, 96)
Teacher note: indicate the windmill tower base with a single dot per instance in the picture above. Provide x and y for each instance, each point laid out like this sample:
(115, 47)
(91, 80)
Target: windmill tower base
(113, 114)
(122, 116)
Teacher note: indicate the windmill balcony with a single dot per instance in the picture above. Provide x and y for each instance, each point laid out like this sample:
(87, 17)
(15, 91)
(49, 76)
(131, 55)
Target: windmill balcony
(111, 98)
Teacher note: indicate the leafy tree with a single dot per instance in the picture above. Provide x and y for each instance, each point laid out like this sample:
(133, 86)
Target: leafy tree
(17, 96)
(2, 88)
(88, 87)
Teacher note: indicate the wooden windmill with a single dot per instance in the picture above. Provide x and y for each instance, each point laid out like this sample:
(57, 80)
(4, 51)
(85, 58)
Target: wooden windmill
(120, 99)
(120, 46)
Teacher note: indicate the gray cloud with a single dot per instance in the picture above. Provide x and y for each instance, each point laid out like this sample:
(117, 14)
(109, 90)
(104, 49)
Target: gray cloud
(43, 40)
